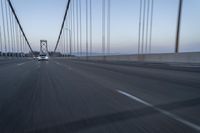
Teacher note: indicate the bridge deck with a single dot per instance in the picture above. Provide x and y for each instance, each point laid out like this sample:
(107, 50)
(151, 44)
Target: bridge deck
(90, 97)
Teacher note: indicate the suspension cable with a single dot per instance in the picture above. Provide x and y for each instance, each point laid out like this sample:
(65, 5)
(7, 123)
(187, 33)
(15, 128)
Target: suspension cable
(108, 27)
(1, 42)
(17, 38)
(139, 32)
(14, 35)
(7, 26)
(4, 28)
(143, 27)
(11, 32)
(74, 31)
(151, 25)
(147, 26)
(91, 40)
(66, 11)
(77, 25)
(103, 27)
(67, 38)
(80, 13)
(64, 42)
(13, 11)
(86, 28)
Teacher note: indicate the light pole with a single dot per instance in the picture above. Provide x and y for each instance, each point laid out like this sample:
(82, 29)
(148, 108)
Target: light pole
(70, 40)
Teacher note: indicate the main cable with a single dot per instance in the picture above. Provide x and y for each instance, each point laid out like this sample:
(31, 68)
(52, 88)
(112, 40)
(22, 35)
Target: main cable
(16, 18)
(62, 26)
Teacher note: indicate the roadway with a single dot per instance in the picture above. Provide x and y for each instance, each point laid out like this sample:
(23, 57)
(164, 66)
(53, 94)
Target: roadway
(64, 96)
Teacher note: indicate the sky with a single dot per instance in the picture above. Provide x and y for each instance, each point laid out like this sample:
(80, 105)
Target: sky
(42, 19)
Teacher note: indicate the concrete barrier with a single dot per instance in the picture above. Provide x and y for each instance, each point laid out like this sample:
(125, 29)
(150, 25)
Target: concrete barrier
(193, 57)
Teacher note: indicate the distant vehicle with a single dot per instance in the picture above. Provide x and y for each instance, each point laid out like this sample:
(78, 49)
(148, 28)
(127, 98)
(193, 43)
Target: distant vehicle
(43, 57)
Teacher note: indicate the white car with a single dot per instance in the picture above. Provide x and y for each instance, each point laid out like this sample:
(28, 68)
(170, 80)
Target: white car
(43, 58)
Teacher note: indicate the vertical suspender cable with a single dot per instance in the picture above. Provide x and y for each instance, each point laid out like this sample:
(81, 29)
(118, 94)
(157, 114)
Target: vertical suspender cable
(22, 46)
(143, 26)
(67, 37)
(151, 25)
(91, 40)
(74, 32)
(64, 43)
(14, 41)
(103, 27)
(80, 12)
(4, 30)
(61, 39)
(86, 28)
(77, 25)
(1, 42)
(17, 38)
(147, 26)
(108, 28)
(11, 31)
(21, 37)
(139, 33)
(7, 25)
(20, 42)
(70, 26)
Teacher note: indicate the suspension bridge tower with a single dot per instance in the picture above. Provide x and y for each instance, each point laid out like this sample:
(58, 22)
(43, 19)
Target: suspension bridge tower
(44, 47)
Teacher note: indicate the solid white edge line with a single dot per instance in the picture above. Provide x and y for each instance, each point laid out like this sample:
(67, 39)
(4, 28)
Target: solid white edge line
(173, 116)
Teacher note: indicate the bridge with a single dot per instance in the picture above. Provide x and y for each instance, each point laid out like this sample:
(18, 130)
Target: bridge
(84, 91)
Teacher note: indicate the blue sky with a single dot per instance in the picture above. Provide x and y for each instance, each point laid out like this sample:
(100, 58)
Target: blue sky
(41, 19)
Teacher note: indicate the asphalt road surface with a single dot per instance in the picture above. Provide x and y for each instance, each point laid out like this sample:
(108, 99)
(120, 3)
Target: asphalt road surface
(67, 96)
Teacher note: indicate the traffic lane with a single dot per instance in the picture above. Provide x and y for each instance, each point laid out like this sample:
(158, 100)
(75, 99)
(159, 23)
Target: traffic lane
(8, 62)
(180, 77)
(168, 91)
(76, 97)
(12, 77)
(157, 92)
(115, 119)
(57, 99)
(41, 102)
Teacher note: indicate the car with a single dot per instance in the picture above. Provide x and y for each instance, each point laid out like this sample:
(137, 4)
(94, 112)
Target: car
(43, 58)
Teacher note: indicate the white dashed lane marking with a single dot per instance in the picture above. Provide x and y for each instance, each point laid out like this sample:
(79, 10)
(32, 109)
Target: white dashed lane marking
(171, 115)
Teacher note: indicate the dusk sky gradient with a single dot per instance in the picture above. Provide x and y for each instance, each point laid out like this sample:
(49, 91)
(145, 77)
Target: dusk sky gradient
(41, 19)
